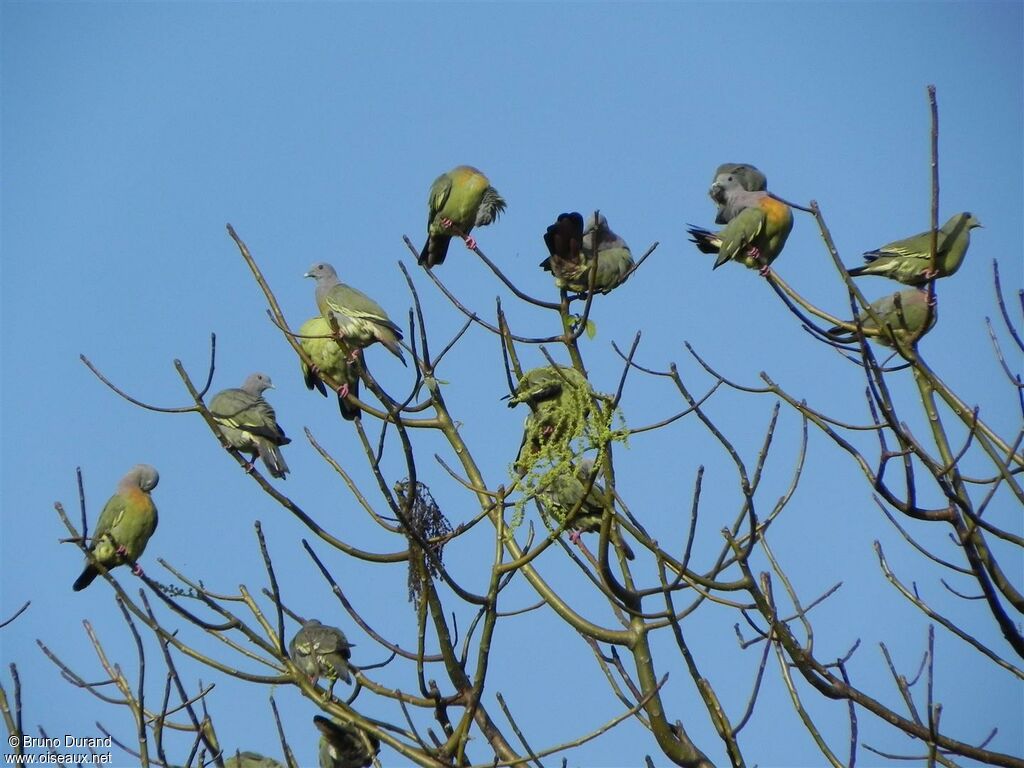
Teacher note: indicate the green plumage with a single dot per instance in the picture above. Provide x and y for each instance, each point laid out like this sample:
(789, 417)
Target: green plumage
(125, 525)
(329, 359)
(571, 254)
(559, 401)
(903, 316)
(459, 200)
(343, 746)
(731, 179)
(361, 320)
(566, 494)
(249, 424)
(754, 237)
(321, 651)
(908, 261)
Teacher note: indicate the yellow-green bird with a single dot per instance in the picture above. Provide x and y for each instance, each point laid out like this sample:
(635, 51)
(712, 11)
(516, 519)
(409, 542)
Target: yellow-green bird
(361, 320)
(573, 250)
(127, 521)
(459, 200)
(567, 491)
(321, 651)
(754, 237)
(559, 400)
(328, 358)
(902, 316)
(249, 424)
(909, 260)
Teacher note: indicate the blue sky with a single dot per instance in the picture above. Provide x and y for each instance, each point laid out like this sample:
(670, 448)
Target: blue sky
(132, 133)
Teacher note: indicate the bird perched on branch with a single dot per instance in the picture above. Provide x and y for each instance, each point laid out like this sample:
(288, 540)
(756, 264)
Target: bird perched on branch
(459, 200)
(566, 491)
(361, 320)
(321, 651)
(317, 340)
(730, 179)
(249, 423)
(343, 745)
(125, 525)
(573, 249)
(559, 401)
(902, 316)
(909, 260)
(754, 237)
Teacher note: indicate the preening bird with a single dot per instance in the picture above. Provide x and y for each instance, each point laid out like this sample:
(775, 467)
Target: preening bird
(731, 179)
(459, 200)
(321, 651)
(902, 315)
(567, 491)
(909, 260)
(361, 320)
(317, 340)
(249, 424)
(559, 401)
(127, 521)
(343, 745)
(573, 248)
(754, 237)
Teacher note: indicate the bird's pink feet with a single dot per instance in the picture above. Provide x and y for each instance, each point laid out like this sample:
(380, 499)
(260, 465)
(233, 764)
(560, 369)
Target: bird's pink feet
(764, 271)
(574, 537)
(121, 550)
(137, 569)
(470, 242)
(930, 274)
(343, 390)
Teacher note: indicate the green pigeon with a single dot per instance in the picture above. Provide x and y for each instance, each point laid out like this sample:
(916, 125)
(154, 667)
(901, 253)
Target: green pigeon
(731, 178)
(321, 651)
(127, 521)
(251, 760)
(459, 200)
(754, 237)
(342, 746)
(317, 341)
(250, 425)
(361, 320)
(908, 260)
(571, 263)
(559, 401)
(566, 490)
(902, 316)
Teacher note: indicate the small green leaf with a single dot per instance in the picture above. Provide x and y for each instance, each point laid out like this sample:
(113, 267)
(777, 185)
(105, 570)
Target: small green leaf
(591, 329)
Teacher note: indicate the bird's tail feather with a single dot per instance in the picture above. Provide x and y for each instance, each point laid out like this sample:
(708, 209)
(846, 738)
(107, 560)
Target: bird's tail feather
(434, 250)
(87, 577)
(273, 459)
(705, 240)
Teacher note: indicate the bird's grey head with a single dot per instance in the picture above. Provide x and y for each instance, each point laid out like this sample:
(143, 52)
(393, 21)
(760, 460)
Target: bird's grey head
(257, 383)
(145, 476)
(971, 221)
(736, 176)
(321, 270)
(600, 227)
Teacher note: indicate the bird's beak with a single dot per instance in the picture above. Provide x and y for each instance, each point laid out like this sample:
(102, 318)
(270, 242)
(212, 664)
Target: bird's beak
(307, 274)
(715, 192)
